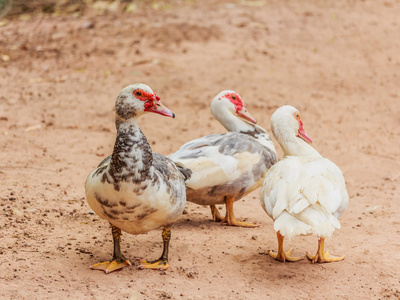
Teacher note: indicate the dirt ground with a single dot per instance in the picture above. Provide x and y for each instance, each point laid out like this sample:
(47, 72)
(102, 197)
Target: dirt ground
(338, 62)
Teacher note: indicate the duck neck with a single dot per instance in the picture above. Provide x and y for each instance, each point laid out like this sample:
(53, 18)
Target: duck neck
(132, 155)
(233, 123)
(297, 147)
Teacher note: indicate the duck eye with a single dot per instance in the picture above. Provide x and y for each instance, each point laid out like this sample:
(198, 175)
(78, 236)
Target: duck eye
(138, 94)
(234, 97)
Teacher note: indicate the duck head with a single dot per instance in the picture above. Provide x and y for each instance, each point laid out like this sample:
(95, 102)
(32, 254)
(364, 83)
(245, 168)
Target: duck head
(286, 124)
(230, 110)
(137, 99)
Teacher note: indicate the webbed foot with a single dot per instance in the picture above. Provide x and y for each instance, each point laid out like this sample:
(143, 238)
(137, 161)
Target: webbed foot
(321, 256)
(109, 267)
(284, 256)
(159, 264)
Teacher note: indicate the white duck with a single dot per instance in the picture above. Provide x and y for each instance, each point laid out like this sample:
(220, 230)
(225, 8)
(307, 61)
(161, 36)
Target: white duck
(303, 193)
(228, 166)
(134, 189)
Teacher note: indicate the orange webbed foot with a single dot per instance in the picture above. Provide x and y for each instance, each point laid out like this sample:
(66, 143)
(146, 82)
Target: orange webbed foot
(160, 264)
(109, 267)
(284, 256)
(324, 257)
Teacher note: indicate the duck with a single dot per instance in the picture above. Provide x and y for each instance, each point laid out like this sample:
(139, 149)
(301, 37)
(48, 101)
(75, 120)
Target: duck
(227, 166)
(304, 193)
(134, 189)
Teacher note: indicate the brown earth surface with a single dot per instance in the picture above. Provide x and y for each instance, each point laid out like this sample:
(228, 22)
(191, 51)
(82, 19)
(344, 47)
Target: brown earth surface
(337, 61)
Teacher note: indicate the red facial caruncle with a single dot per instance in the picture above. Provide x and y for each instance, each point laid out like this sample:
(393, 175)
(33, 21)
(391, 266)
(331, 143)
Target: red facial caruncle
(152, 103)
(240, 107)
(236, 100)
(144, 96)
(301, 133)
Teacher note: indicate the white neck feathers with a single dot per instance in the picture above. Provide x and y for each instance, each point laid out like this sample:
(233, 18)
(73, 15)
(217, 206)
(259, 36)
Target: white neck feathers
(291, 144)
(230, 121)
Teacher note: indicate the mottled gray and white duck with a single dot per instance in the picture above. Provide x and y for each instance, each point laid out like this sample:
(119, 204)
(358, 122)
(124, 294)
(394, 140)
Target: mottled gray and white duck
(227, 166)
(303, 193)
(135, 189)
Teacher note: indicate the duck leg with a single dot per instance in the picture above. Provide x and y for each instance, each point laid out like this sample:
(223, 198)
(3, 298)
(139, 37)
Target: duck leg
(118, 261)
(283, 256)
(216, 215)
(162, 262)
(230, 217)
(322, 256)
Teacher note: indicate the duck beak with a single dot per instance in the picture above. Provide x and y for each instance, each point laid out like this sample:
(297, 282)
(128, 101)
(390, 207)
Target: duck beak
(302, 134)
(245, 115)
(157, 107)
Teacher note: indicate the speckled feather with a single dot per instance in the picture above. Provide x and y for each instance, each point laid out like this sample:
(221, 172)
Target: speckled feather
(134, 189)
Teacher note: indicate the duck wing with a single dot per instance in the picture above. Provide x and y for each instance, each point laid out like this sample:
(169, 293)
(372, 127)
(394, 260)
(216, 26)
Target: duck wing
(220, 158)
(168, 169)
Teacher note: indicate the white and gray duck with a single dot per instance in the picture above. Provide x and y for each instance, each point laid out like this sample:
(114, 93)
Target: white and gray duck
(134, 189)
(227, 166)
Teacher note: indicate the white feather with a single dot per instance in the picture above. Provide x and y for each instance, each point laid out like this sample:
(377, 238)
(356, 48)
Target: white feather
(304, 194)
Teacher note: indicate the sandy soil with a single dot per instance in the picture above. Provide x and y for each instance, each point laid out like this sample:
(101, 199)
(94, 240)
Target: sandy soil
(337, 61)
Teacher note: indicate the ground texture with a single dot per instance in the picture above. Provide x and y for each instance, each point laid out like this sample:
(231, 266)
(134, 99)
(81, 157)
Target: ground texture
(337, 61)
